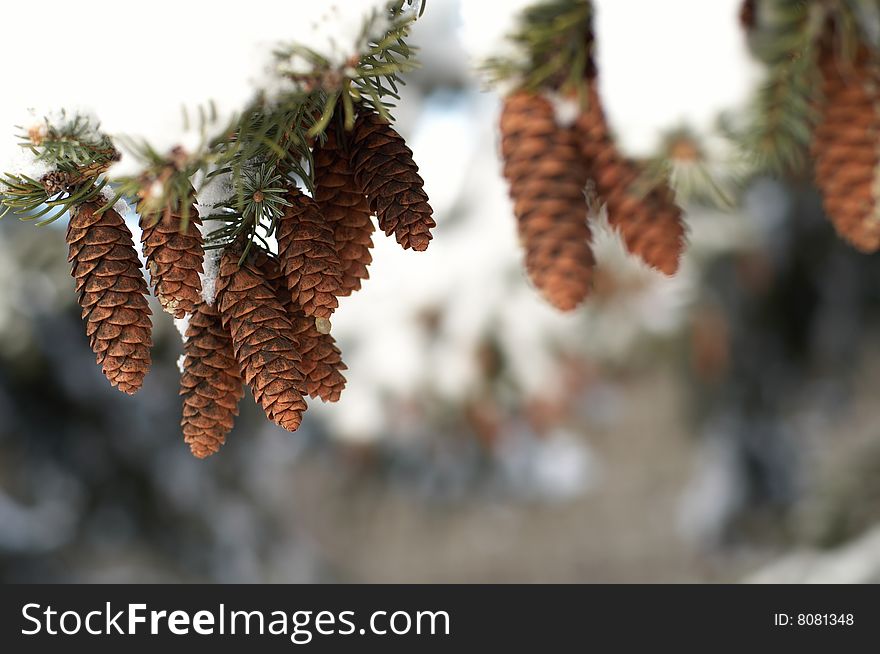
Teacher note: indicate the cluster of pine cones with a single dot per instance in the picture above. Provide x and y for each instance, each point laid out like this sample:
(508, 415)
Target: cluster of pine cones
(548, 167)
(269, 325)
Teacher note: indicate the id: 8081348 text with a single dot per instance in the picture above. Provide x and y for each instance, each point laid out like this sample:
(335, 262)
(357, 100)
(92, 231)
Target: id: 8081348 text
(813, 619)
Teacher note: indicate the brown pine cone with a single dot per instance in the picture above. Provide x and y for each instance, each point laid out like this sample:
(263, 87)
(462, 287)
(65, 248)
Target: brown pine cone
(650, 222)
(345, 207)
(307, 251)
(210, 382)
(269, 361)
(322, 364)
(845, 148)
(111, 293)
(174, 257)
(547, 179)
(385, 170)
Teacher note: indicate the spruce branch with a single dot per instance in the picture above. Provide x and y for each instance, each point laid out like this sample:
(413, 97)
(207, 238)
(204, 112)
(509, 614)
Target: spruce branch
(262, 148)
(74, 152)
(787, 40)
(683, 162)
(784, 114)
(31, 201)
(69, 143)
(556, 37)
(251, 213)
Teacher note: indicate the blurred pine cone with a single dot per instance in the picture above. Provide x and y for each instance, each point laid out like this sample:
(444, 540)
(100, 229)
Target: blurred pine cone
(345, 208)
(547, 179)
(385, 170)
(269, 360)
(210, 382)
(307, 250)
(322, 364)
(174, 256)
(112, 293)
(846, 147)
(648, 219)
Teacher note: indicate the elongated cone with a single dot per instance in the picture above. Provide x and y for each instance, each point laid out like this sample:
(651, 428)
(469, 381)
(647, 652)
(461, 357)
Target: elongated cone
(210, 382)
(846, 147)
(385, 170)
(268, 359)
(649, 220)
(322, 364)
(547, 179)
(345, 207)
(307, 251)
(172, 245)
(111, 292)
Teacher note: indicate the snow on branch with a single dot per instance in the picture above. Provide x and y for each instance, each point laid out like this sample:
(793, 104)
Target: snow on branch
(254, 103)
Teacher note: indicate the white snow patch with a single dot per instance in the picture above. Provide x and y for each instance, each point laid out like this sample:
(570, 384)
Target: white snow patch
(21, 161)
(208, 277)
(182, 325)
(120, 206)
(565, 110)
(180, 361)
(16, 122)
(854, 562)
(210, 194)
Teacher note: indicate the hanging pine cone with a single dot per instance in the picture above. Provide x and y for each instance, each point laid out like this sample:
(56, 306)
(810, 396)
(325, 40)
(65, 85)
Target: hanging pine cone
(345, 208)
(321, 364)
(385, 170)
(111, 293)
(174, 257)
(547, 178)
(845, 148)
(649, 221)
(307, 250)
(269, 361)
(210, 382)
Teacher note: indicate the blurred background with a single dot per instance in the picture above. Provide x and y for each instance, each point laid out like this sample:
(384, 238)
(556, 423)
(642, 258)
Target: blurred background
(717, 426)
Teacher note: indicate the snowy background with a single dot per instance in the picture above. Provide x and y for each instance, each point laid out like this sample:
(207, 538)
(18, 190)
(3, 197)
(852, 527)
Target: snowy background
(687, 429)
